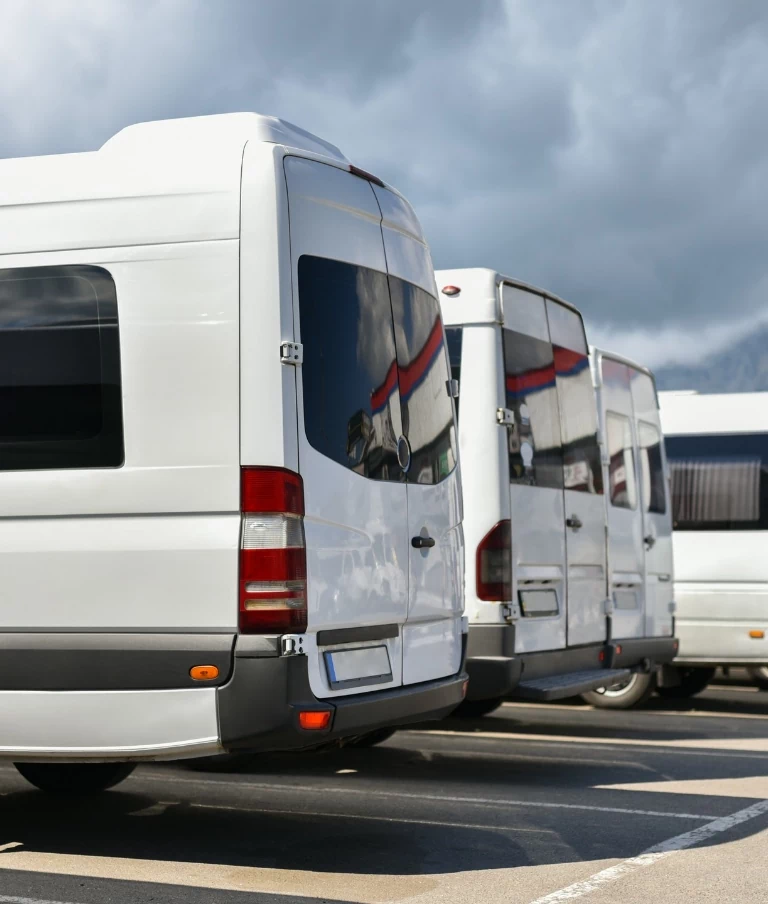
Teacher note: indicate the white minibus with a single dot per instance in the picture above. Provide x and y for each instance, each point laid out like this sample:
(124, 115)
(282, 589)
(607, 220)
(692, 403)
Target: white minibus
(537, 599)
(639, 522)
(717, 446)
(230, 509)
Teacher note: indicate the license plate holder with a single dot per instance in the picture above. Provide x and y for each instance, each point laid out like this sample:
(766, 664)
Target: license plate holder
(357, 667)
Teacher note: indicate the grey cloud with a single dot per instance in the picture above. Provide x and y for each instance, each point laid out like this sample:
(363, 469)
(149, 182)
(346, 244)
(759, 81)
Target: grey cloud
(613, 151)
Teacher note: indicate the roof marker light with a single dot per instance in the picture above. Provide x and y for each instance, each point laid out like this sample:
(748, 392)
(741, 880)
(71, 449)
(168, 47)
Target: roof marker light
(451, 291)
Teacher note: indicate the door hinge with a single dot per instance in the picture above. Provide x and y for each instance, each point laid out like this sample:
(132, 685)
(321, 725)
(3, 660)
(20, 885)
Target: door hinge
(609, 606)
(510, 612)
(291, 353)
(505, 417)
(292, 645)
(452, 386)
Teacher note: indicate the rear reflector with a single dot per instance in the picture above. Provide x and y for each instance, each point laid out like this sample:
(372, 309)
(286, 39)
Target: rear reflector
(315, 720)
(494, 564)
(273, 561)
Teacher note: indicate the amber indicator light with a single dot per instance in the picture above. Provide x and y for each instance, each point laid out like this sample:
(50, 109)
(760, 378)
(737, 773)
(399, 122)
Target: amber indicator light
(204, 672)
(757, 635)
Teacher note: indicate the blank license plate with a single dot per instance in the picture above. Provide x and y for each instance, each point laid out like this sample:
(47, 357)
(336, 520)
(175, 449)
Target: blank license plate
(352, 668)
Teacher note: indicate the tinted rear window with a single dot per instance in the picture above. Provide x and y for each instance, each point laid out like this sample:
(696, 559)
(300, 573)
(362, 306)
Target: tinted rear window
(60, 392)
(719, 482)
(349, 374)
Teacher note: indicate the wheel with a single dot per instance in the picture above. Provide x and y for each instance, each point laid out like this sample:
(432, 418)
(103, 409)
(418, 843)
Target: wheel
(474, 709)
(692, 682)
(74, 778)
(372, 738)
(758, 674)
(632, 692)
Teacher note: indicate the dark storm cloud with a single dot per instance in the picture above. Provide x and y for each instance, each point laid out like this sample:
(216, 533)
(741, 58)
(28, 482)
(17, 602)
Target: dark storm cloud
(614, 152)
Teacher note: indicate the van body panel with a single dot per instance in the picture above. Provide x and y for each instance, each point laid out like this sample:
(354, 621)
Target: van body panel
(657, 518)
(355, 527)
(265, 277)
(435, 577)
(626, 555)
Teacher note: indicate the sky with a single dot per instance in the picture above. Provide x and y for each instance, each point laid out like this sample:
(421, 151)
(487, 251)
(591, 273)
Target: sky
(611, 151)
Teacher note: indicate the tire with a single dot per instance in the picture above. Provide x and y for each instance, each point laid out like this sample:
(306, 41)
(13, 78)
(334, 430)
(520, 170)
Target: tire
(74, 778)
(692, 682)
(475, 709)
(372, 738)
(758, 674)
(624, 695)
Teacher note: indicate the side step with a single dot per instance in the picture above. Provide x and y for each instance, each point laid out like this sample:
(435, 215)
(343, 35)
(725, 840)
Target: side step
(556, 687)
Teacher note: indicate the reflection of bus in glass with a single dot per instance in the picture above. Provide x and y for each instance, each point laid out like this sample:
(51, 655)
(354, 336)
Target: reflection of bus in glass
(537, 598)
(717, 446)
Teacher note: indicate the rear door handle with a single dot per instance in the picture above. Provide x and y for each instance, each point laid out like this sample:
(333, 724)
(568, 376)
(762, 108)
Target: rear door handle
(422, 542)
(650, 541)
(574, 522)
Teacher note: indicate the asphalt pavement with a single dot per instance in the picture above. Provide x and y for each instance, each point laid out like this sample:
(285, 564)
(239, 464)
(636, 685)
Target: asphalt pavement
(531, 804)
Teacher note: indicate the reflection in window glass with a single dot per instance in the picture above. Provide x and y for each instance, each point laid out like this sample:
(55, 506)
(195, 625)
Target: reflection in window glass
(578, 415)
(652, 468)
(60, 394)
(621, 467)
(349, 374)
(535, 455)
(454, 337)
(427, 408)
(719, 482)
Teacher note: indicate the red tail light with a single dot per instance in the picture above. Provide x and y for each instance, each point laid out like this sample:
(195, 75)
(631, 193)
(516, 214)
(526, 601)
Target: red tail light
(273, 561)
(494, 564)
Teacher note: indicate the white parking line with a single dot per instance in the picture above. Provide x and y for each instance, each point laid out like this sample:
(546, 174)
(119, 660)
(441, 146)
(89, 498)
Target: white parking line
(14, 899)
(653, 855)
(403, 795)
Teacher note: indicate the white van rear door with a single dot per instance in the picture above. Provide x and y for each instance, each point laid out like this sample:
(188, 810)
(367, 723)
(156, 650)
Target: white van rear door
(349, 420)
(625, 521)
(656, 508)
(583, 477)
(535, 473)
(432, 638)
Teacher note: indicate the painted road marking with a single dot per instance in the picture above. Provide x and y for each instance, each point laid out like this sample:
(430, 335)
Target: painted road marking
(653, 855)
(753, 786)
(723, 746)
(403, 795)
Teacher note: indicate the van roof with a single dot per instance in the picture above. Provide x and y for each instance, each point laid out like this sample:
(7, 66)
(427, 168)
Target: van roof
(166, 181)
(594, 351)
(479, 285)
(702, 413)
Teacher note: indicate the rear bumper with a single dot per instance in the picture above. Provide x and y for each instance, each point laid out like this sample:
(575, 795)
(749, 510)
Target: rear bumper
(257, 709)
(495, 670)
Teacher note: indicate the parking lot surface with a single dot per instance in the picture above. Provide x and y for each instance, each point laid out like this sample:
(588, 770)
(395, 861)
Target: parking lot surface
(532, 804)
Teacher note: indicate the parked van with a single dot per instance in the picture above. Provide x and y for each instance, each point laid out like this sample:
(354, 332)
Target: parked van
(535, 518)
(230, 511)
(639, 519)
(717, 447)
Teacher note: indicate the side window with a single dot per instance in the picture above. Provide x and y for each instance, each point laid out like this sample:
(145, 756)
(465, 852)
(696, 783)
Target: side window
(427, 408)
(349, 374)
(621, 467)
(60, 392)
(578, 409)
(535, 456)
(652, 468)
(454, 337)
(719, 481)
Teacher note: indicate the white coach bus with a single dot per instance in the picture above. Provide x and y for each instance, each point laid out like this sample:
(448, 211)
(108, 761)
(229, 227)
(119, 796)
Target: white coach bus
(230, 509)
(543, 622)
(717, 446)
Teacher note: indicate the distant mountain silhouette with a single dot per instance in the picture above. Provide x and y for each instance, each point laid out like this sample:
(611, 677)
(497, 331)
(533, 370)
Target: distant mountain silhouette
(743, 367)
